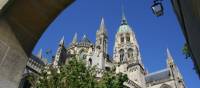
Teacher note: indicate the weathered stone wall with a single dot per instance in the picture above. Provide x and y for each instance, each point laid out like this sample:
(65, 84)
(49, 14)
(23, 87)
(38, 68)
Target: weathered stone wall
(12, 57)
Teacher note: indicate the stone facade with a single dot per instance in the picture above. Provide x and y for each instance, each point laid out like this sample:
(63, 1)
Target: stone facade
(126, 58)
(34, 67)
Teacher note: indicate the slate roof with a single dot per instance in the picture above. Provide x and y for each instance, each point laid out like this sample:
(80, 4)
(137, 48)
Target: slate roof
(159, 75)
(36, 59)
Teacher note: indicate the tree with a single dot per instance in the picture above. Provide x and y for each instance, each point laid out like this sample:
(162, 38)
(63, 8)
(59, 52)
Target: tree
(75, 74)
(112, 80)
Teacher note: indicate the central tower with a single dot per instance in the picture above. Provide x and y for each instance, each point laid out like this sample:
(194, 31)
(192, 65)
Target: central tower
(126, 54)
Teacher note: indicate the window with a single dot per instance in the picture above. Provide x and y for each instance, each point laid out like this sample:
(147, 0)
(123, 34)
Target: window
(100, 41)
(165, 86)
(128, 37)
(90, 61)
(130, 53)
(122, 38)
(107, 68)
(98, 47)
(121, 52)
(82, 54)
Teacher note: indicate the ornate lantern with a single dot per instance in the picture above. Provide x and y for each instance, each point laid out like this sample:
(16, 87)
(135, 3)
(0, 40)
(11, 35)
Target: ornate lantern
(157, 8)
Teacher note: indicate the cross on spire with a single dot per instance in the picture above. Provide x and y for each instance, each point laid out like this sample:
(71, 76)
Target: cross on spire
(124, 21)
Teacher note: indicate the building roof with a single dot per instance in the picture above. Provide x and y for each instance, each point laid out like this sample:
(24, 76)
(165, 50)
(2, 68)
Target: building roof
(159, 75)
(85, 39)
(38, 60)
(125, 28)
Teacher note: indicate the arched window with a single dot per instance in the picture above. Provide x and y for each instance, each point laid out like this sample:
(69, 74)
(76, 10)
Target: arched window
(127, 37)
(130, 53)
(98, 47)
(121, 52)
(135, 49)
(165, 86)
(90, 61)
(83, 54)
(100, 41)
(122, 38)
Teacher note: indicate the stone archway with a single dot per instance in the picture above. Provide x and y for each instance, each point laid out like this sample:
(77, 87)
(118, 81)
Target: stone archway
(22, 22)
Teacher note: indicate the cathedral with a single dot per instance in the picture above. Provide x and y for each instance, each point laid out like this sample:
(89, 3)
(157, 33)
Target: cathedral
(126, 58)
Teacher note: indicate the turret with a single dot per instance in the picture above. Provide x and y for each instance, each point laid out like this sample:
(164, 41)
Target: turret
(126, 54)
(175, 73)
(75, 40)
(62, 41)
(101, 38)
(60, 54)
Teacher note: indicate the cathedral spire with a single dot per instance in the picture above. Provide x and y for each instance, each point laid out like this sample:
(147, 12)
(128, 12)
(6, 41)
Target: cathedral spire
(124, 21)
(62, 41)
(168, 53)
(102, 28)
(169, 56)
(170, 60)
(84, 36)
(39, 54)
(74, 39)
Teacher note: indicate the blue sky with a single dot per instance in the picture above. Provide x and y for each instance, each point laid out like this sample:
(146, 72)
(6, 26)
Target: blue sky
(154, 34)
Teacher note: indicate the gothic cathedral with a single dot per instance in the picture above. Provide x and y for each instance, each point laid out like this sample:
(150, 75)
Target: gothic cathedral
(126, 58)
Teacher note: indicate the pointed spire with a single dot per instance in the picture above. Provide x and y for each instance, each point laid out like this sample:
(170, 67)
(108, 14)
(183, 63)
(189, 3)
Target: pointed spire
(170, 60)
(169, 54)
(85, 39)
(84, 36)
(62, 41)
(39, 54)
(74, 39)
(102, 26)
(124, 21)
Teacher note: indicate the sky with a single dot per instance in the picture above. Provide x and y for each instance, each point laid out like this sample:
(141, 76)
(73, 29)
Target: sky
(154, 34)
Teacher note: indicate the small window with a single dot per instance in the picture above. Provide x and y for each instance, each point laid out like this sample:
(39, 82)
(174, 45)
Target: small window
(122, 39)
(90, 61)
(128, 37)
(165, 86)
(121, 52)
(107, 68)
(130, 53)
(100, 41)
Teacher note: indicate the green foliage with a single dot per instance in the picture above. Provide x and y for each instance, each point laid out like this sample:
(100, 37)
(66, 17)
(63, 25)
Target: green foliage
(111, 80)
(75, 74)
(186, 51)
(78, 75)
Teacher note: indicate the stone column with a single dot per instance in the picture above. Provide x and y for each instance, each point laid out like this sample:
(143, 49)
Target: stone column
(12, 57)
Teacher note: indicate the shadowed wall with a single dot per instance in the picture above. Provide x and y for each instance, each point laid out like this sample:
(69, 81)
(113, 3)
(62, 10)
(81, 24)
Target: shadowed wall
(22, 22)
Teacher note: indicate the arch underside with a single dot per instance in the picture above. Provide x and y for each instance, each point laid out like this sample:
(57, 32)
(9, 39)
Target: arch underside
(26, 24)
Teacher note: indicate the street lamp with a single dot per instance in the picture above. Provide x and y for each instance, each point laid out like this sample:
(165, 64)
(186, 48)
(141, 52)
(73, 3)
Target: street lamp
(157, 8)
